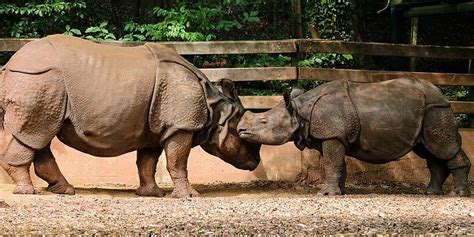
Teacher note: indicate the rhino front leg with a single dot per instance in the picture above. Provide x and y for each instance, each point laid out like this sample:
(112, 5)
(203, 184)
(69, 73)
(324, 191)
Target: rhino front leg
(334, 168)
(177, 149)
(47, 169)
(16, 159)
(146, 163)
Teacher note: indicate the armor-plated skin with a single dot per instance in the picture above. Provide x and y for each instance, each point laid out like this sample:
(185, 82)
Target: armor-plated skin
(374, 122)
(106, 101)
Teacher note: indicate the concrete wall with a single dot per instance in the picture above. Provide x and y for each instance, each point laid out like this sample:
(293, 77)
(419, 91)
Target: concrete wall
(278, 163)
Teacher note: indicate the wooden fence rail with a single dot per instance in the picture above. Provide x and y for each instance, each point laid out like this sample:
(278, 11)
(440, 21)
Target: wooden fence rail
(265, 102)
(189, 48)
(310, 46)
(403, 50)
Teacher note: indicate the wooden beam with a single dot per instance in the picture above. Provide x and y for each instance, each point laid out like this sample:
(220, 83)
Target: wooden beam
(440, 9)
(365, 48)
(410, 2)
(463, 107)
(267, 102)
(190, 48)
(325, 74)
(260, 102)
(233, 47)
(251, 74)
(13, 44)
(289, 46)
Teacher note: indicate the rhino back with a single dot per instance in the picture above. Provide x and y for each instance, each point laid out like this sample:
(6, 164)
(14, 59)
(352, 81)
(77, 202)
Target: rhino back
(109, 91)
(390, 114)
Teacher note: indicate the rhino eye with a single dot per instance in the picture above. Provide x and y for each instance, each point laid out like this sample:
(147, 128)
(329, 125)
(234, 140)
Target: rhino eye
(263, 121)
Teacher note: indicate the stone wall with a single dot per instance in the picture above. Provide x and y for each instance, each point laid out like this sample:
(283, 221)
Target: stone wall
(278, 163)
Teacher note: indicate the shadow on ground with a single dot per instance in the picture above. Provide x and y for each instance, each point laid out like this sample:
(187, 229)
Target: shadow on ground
(272, 187)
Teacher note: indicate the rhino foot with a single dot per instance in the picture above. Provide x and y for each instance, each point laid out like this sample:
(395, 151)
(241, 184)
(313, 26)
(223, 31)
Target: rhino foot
(434, 191)
(329, 190)
(26, 189)
(184, 192)
(461, 192)
(61, 188)
(150, 191)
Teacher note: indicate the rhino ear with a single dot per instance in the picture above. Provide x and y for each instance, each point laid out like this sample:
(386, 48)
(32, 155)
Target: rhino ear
(288, 104)
(227, 87)
(286, 98)
(296, 91)
(226, 113)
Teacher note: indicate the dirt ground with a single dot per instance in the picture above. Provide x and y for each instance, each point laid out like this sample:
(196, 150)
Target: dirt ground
(249, 208)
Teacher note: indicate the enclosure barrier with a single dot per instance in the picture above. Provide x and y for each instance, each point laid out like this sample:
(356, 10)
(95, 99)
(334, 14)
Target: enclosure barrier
(295, 47)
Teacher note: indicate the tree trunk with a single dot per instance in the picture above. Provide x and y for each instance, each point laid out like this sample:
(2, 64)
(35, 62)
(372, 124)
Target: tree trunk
(146, 7)
(358, 28)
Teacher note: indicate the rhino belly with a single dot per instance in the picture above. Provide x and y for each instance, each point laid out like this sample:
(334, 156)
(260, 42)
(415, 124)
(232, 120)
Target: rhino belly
(390, 120)
(100, 145)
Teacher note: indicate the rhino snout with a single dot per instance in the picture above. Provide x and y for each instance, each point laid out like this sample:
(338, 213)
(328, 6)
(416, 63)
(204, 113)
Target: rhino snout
(244, 132)
(243, 128)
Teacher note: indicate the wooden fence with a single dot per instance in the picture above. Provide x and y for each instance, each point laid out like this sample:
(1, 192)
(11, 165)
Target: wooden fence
(300, 73)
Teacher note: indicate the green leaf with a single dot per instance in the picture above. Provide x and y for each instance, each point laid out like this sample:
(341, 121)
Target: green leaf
(347, 56)
(76, 31)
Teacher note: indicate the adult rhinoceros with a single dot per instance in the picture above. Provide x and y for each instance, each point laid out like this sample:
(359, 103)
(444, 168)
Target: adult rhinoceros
(106, 101)
(374, 122)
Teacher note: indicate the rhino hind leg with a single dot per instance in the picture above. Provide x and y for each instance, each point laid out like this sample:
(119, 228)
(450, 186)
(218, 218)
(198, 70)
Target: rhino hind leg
(442, 139)
(147, 159)
(16, 159)
(438, 170)
(47, 169)
(460, 167)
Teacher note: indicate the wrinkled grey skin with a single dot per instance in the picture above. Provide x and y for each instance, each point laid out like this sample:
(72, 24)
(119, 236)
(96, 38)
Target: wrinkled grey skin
(107, 101)
(373, 122)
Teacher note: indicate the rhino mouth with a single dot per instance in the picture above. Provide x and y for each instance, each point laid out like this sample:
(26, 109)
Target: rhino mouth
(245, 134)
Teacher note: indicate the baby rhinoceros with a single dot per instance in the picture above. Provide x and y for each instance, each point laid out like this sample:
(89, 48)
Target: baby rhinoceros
(373, 122)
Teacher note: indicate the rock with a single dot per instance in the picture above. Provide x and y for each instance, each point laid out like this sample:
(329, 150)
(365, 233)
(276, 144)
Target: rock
(3, 204)
(301, 225)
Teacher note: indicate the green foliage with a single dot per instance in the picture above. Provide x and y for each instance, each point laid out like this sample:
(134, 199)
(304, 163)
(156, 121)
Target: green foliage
(187, 24)
(326, 60)
(332, 18)
(38, 19)
(261, 60)
(72, 31)
(99, 32)
(251, 17)
(455, 93)
(333, 21)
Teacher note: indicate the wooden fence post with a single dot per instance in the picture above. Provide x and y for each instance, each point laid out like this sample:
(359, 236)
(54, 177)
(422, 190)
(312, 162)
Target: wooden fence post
(413, 40)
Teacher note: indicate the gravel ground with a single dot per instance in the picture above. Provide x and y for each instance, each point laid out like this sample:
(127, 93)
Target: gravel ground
(252, 208)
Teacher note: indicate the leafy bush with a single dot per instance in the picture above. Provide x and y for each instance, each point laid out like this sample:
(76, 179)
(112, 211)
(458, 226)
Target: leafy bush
(33, 20)
(186, 24)
(99, 32)
(333, 21)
